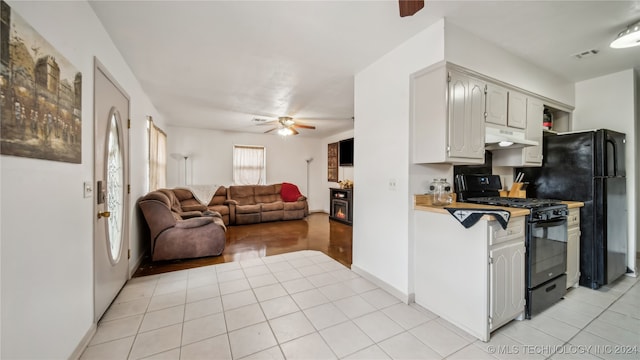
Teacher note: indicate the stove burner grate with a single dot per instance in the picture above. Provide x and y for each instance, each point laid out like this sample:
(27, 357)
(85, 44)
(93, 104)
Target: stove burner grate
(528, 203)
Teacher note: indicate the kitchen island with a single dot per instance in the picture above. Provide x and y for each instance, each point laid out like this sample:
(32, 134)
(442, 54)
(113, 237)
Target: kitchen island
(472, 277)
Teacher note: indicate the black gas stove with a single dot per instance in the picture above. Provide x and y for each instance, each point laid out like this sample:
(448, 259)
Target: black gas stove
(545, 238)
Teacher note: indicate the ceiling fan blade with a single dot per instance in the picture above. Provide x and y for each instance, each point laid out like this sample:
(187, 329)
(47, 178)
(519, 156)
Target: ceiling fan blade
(268, 123)
(410, 7)
(294, 131)
(304, 126)
(268, 131)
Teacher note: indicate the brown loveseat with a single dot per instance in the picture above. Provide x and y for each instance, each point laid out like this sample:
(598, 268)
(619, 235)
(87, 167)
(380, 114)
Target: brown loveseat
(250, 204)
(178, 230)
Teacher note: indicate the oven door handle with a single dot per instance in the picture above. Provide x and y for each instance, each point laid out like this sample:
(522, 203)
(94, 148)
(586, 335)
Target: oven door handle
(549, 223)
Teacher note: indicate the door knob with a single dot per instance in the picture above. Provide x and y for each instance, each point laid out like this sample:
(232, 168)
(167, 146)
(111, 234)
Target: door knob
(105, 214)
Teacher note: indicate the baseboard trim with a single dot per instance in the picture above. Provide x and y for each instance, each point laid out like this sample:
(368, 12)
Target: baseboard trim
(75, 355)
(405, 298)
(137, 265)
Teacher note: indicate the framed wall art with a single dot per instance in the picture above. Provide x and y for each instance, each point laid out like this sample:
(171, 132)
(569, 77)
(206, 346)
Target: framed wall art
(332, 162)
(40, 95)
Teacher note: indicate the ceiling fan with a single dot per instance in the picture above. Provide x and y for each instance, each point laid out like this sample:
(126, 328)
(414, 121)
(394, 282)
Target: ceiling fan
(410, 7)
(286, 126)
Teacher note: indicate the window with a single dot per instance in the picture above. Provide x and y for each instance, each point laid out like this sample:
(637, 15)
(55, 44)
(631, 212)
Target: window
(157, 156)
(249, 165)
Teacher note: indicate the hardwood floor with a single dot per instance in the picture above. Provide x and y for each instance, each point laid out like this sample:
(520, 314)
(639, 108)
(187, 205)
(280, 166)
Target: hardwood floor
(316, 232)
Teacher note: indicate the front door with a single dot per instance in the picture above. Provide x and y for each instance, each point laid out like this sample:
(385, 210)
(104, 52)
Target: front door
(111, 174)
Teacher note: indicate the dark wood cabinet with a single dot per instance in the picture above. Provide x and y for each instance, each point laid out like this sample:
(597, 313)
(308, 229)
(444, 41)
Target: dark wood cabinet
(341, 205)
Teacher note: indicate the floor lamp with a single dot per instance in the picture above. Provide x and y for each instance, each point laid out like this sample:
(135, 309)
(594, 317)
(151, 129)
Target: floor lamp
(309, 160)
(185, 169)
(184, 157)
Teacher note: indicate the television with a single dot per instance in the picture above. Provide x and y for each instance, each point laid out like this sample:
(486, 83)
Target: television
(345, 152)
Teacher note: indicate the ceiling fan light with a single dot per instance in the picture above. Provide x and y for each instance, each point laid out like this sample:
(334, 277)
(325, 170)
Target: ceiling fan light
(285, 131)
(286, 121)
(629, 37)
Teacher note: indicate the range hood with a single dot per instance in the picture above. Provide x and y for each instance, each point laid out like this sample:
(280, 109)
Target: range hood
(497, 138)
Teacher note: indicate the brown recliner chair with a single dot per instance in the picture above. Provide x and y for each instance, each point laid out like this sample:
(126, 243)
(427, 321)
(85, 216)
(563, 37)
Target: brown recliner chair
(173, 237)
(184, 203)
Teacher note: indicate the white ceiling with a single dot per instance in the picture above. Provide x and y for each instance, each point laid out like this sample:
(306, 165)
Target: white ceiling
(220, 64)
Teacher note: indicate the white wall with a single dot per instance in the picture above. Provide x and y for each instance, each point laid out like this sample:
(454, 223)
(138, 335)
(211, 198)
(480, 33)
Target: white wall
(210, 159)
(609, 102)
(381, 246)
(46, 224)
(466, 49)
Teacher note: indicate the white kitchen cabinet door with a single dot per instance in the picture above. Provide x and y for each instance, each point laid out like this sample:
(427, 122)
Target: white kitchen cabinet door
(466, 117)
(507, 282)
(517, 110)
(496, 108)
(533, 154)
(573, 247)
(447, 116)
(529, 155)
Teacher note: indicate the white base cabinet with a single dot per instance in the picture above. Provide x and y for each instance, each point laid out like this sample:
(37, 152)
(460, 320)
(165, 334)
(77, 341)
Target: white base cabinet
(473, 278)
(507, 283)
(573, 247)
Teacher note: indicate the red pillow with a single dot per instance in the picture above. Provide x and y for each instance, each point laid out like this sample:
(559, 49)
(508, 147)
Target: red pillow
(290, 192)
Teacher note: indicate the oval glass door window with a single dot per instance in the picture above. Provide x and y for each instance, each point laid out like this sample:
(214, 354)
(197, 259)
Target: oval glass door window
(115, 188)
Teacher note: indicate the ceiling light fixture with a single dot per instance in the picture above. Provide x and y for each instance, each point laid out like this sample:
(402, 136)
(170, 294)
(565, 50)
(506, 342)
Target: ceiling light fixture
(285, 131)
(629, 37)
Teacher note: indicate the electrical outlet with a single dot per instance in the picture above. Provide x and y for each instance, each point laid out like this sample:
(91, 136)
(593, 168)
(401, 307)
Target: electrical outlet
(88, 189)
(392, 184)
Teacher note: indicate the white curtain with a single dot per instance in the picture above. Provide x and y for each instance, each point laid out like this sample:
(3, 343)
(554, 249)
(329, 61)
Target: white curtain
(157, 157)
(249, 165)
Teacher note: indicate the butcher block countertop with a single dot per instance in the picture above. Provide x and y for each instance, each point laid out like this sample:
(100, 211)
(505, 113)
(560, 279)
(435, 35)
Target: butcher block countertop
(573, 204)
(423, 202)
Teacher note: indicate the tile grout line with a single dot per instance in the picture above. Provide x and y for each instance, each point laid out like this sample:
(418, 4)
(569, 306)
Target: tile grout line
(584, 328)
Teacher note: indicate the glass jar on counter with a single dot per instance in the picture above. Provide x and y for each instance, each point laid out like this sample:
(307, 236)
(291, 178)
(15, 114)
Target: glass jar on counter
(440, 191)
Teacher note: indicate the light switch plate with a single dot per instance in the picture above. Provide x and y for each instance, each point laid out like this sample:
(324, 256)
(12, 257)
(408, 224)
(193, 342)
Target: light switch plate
(88, 189)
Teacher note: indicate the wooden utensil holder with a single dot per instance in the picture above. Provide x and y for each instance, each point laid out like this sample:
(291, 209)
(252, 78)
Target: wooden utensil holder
(515, 191)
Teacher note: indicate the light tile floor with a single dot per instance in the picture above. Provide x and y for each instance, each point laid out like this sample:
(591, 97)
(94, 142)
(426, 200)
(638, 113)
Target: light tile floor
(305, 305)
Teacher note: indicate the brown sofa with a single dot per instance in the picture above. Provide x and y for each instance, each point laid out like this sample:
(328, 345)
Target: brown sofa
(249, 204)
(178, 230)
(218, 203)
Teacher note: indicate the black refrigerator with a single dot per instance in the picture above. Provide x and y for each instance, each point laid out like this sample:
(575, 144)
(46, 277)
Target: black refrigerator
(589, 166)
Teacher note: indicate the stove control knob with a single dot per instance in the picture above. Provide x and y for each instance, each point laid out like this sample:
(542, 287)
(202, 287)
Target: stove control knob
(541, 216)
(560, 212)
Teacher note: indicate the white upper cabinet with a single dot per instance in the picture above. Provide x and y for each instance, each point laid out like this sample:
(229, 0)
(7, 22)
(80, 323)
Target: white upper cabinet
(517, 110)
(533, 154)
(451, 107)
(530, 155)
(447, 112)
(497, 98)
(506, 107)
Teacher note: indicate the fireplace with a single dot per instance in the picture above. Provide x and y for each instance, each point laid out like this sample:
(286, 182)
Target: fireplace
(341, 205)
